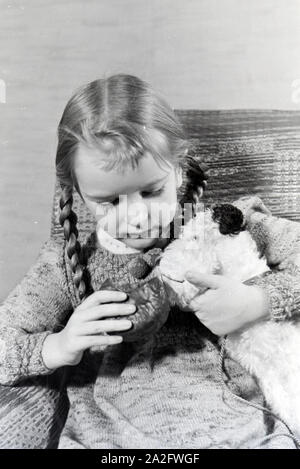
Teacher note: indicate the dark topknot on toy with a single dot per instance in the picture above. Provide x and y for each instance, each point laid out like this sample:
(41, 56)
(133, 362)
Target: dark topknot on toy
(229, 217)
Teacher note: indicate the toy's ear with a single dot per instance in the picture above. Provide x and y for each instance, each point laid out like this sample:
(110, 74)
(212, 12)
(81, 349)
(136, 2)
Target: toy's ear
(178, 175)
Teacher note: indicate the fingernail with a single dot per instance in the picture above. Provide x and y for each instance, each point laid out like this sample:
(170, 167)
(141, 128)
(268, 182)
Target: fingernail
(125, 323)
(116, 339)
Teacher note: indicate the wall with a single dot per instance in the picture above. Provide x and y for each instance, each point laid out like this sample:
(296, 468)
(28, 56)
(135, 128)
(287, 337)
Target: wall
(208, 54)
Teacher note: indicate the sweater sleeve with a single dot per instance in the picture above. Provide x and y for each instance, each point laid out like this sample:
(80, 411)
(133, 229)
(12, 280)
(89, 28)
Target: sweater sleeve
(35, 308)
(278, 239)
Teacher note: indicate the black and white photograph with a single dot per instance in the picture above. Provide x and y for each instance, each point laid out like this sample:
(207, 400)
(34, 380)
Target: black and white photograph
(150, 227)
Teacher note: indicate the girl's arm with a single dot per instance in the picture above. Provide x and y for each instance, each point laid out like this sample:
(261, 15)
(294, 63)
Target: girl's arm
(36, 307)
(279, 240)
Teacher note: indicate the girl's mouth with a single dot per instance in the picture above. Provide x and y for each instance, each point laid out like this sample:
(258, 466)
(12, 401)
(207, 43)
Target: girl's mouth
(138, 236)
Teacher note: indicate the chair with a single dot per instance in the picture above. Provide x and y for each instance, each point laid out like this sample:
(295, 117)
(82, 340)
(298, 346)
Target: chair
(244, 152)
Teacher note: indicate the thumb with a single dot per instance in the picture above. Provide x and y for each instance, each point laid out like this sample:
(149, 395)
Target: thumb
(204, 280)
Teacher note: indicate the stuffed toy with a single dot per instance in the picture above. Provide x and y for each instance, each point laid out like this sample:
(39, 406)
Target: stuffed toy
(215, 241)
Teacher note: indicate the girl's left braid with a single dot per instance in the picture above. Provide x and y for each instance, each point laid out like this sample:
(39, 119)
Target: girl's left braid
(196, 182)
(197, 194)
(68, 220)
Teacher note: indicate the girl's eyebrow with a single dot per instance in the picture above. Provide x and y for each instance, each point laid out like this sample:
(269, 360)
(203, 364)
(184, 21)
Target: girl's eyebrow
(105, 197)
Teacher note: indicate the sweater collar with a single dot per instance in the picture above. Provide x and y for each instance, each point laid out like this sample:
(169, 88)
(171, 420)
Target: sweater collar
(113, 245)
(94, 249)
(114, 248)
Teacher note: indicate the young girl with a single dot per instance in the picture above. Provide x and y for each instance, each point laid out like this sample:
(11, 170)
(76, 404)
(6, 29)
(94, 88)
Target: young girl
(124, 151)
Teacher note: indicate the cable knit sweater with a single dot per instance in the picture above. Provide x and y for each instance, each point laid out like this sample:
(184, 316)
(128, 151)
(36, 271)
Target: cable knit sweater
(164, 392)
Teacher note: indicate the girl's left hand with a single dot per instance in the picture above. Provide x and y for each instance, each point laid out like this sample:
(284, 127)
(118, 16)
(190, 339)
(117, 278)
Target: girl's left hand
(228, 304)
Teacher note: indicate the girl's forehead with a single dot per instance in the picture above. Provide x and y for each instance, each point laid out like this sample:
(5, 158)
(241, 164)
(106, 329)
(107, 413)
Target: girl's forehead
(97, 181)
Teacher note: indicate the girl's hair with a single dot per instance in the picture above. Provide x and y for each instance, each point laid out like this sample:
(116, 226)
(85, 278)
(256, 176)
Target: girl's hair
(123, 117)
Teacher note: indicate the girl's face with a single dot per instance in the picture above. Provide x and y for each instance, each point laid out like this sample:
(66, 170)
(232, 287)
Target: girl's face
(135, 206)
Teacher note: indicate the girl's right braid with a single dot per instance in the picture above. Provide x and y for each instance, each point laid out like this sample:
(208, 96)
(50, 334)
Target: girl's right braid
(68, 220)
(197, 194)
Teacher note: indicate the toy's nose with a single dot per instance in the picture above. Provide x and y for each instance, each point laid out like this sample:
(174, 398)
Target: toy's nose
(229, 217)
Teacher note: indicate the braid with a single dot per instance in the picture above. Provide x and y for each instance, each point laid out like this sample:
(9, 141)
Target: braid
(195, 182)
(68, 220)
(197, 194)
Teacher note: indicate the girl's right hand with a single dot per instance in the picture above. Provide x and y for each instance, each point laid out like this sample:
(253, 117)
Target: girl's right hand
(87, 328)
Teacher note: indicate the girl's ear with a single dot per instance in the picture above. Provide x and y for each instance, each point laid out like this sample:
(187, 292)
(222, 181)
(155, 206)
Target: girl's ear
(178, 176)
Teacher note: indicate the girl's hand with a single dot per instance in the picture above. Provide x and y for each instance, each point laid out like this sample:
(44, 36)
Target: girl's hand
(228, 304)
(87, 328)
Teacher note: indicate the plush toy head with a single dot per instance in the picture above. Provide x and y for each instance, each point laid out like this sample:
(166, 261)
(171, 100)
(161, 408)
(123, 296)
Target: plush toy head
(214, 241)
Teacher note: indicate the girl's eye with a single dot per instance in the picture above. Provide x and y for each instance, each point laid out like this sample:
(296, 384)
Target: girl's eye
(153, 193)
(116, 200)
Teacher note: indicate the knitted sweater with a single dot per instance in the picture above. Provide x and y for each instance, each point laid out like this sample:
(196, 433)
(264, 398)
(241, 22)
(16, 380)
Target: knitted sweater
(164, 392)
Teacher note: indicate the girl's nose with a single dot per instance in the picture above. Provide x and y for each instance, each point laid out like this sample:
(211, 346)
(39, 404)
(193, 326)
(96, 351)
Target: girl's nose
(138, 221)
(138, 216)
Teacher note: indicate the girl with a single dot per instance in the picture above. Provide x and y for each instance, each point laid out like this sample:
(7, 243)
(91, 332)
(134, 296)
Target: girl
(124, 151)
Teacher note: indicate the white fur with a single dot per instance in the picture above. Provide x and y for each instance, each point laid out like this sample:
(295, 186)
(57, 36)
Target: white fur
(268, 350)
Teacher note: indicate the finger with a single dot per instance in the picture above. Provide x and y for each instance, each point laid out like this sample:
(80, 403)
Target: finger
(201, 301)
(204, 280)
(103, 296)
(106, 325)
(197, 304)
(106, 310)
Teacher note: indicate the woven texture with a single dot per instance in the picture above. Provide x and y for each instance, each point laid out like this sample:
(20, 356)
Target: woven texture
(243, 152)
(33, 413)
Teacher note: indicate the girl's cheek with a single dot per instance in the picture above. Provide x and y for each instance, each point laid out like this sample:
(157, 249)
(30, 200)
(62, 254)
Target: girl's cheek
(101, 211)
(98, 210)
(107, 219)
(169, 200)
(163, 210)
(104, 215)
